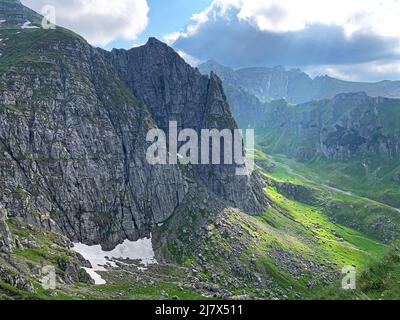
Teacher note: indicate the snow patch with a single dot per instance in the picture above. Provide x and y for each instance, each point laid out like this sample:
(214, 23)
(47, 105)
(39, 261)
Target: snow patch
(27, 25)
(135, 250)
(98, 280)
(2, 21)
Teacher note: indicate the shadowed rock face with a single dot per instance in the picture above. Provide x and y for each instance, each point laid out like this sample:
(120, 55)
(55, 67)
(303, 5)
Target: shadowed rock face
(73, 147)
(73, 136)
(72, 142)
(166, 84)
(174, 91)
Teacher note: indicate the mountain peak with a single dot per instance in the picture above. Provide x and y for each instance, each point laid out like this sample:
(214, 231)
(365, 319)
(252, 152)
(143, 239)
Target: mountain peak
(154, 41)
(157, 48)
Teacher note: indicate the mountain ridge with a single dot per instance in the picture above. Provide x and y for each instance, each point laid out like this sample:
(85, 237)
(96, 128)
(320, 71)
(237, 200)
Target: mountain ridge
(294, 85)
(174, 91)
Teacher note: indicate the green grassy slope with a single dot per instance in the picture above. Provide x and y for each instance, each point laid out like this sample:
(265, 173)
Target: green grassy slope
(306, 188)
(345, 205)
(380, 281)
(291, 251)
(294, 243)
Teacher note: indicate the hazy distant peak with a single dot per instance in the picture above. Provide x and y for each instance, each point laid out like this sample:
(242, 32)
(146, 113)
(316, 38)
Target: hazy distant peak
(295, 85)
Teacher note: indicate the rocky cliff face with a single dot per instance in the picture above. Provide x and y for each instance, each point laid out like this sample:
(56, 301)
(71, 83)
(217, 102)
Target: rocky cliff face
(350, 125)
(174, 91)
(73, 145)
(363, 125)
(6, 241)
(73, 135)
(169, 87)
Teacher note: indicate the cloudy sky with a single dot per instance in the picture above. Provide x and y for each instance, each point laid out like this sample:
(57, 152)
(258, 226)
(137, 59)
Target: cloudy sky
(349, 39)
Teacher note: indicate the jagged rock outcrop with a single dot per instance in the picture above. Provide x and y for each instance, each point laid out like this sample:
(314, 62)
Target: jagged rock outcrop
(174, 91)
(16, 280)
(6, 241)
(73, 142)
(294, 85)
(171, 89)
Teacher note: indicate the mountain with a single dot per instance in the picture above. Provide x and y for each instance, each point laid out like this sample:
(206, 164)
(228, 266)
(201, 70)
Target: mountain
(350, 142)
(347, 132)
(349, 125)
(294, 85)
(73, 136)
(74, 174)
(174, 91)
(249, 89)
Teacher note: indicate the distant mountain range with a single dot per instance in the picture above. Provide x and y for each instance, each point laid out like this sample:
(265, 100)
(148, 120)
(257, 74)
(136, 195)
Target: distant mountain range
(363, 117)
(328, 124)
(294, 85)
(349, 125)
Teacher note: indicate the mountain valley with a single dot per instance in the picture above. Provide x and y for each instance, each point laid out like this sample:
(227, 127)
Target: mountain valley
(73, 174)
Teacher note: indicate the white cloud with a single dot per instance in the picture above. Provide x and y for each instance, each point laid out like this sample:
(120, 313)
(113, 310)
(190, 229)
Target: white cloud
(189, 59)
(378, 16)
(322, 35)
(371, 71)
(99, 21)
(367, 16)
(172, 37)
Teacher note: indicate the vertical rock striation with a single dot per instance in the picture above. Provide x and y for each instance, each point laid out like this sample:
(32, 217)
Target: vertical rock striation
(73, 135)
(72, 143)
(174, 91)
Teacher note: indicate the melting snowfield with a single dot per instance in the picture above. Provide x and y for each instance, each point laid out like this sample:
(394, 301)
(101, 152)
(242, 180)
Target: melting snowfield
(135, 250)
